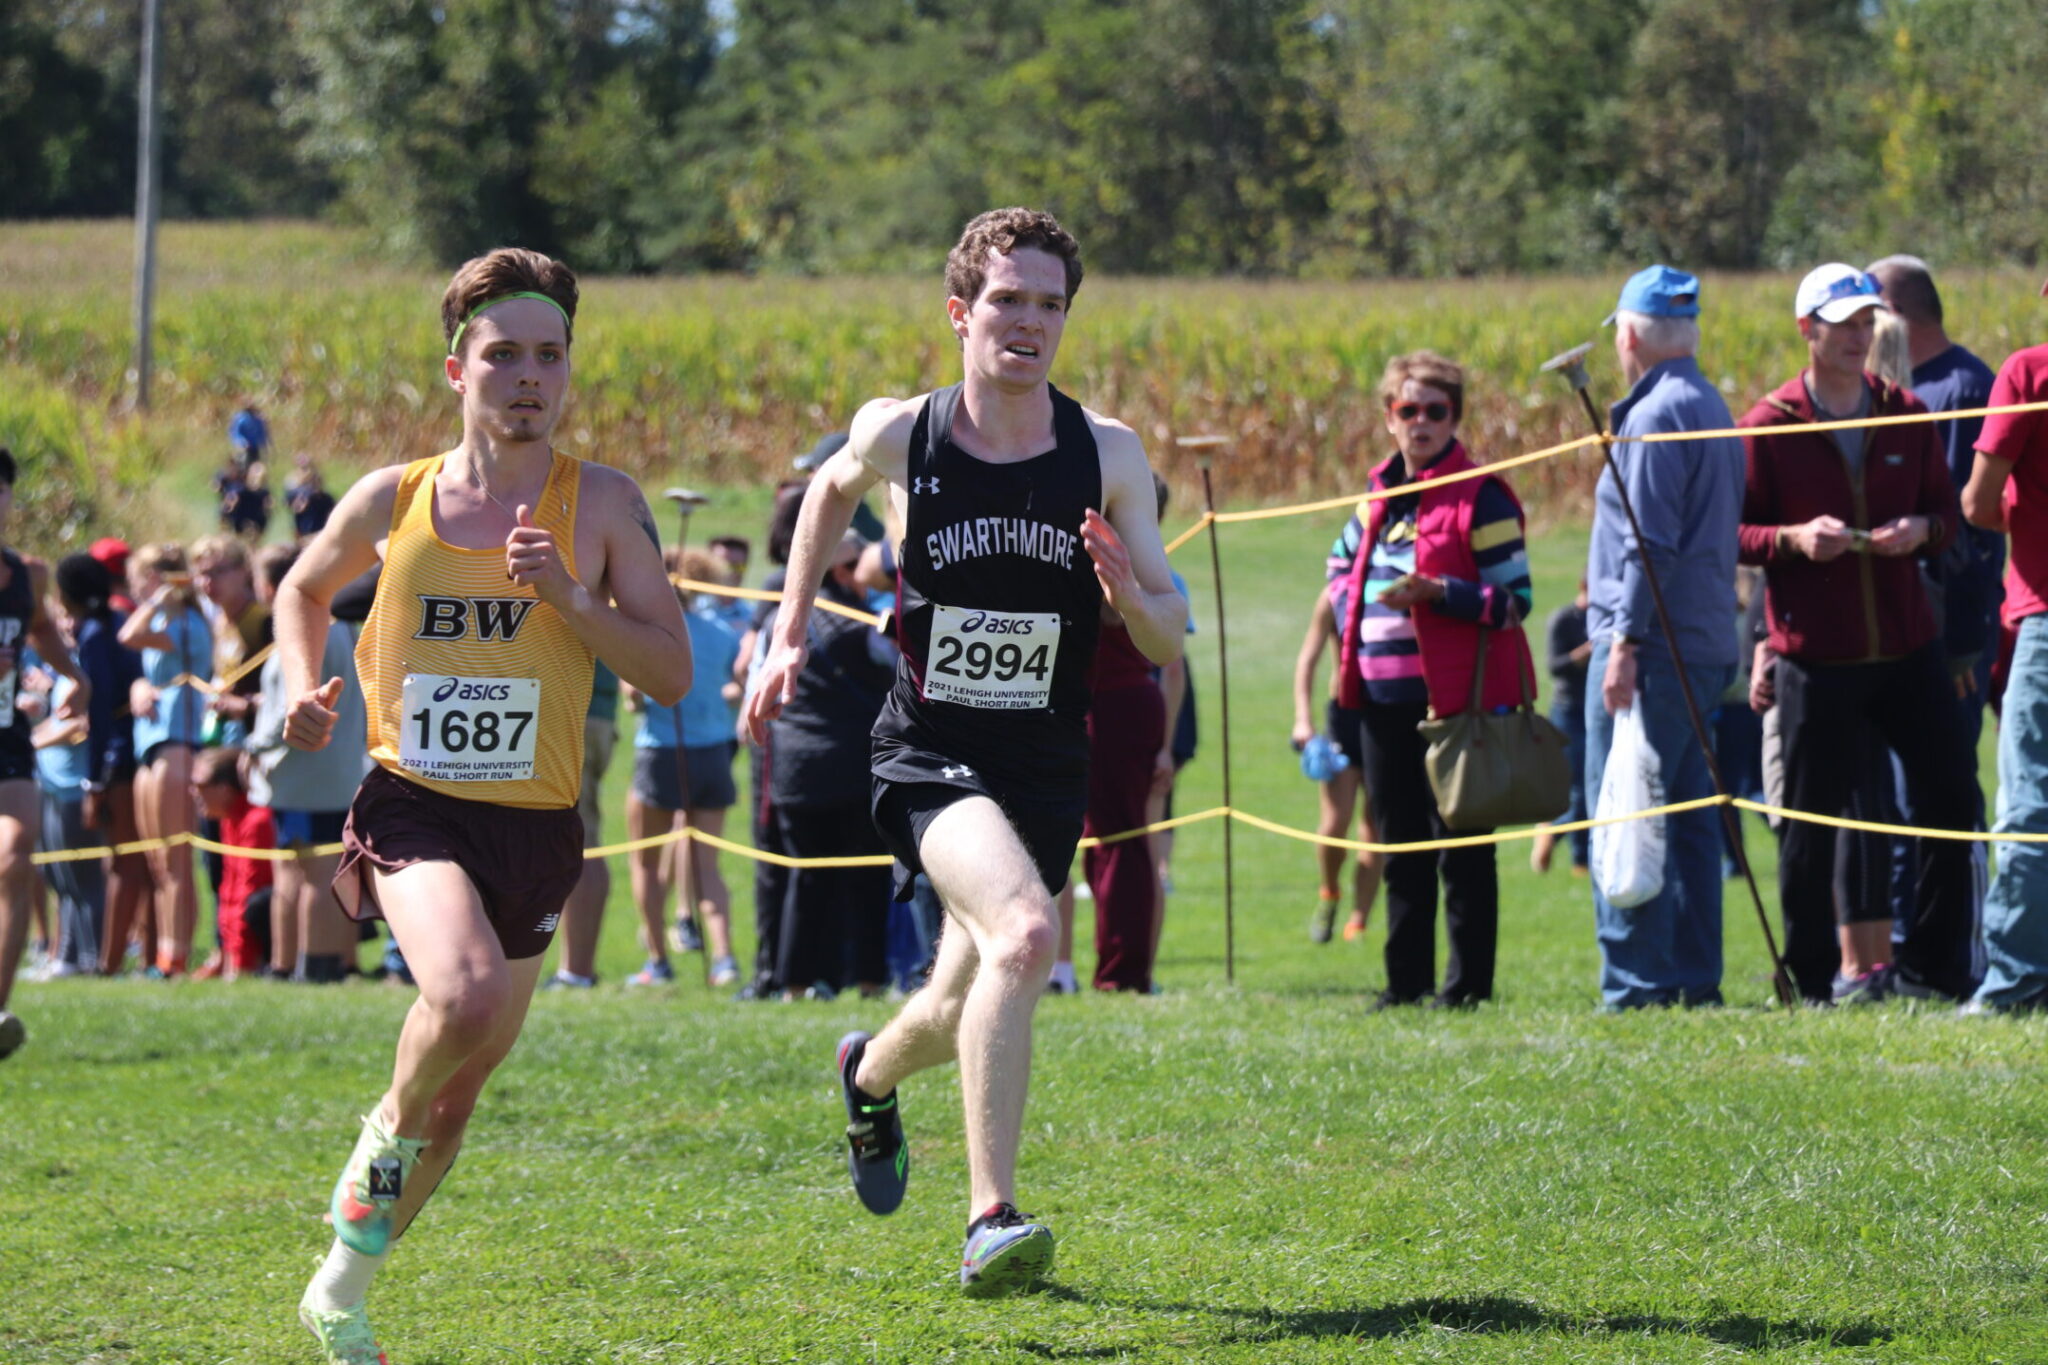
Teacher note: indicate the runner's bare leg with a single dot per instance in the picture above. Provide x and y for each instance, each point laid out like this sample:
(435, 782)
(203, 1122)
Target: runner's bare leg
(468, 991)
(990, 887)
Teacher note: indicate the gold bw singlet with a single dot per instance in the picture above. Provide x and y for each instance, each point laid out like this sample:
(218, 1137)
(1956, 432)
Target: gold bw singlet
(475, 687)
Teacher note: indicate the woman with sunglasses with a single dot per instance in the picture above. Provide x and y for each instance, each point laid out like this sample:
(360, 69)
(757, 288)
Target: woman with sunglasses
(1418, 574)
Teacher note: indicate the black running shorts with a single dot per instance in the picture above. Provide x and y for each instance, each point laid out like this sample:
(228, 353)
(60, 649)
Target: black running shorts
(911, 787)
(522, 862)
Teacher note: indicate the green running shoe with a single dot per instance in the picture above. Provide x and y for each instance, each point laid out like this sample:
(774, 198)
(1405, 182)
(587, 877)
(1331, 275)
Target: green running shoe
(1006, 1252)
(880, 1158)
(370, 1184)
(345, 1337)
(1322, 921)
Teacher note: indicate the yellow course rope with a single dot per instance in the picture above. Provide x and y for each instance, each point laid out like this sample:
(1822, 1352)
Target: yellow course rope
(279, 855)
(1219, 812)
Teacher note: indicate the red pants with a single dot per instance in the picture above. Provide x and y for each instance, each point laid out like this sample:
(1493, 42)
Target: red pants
(1126, 731)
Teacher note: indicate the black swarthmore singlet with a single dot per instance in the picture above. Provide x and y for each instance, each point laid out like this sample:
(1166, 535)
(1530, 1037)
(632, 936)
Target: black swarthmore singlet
(997, 603)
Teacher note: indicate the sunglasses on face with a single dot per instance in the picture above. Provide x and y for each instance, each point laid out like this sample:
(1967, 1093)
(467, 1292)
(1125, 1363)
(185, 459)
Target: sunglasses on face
(1408, 412)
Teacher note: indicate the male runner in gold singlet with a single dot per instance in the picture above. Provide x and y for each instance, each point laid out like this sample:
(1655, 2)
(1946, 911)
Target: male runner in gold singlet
(508, 567)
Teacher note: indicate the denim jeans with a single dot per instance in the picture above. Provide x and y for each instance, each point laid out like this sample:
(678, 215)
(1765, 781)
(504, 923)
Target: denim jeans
(2016, 911)
(1572, 721)
(1666, 951)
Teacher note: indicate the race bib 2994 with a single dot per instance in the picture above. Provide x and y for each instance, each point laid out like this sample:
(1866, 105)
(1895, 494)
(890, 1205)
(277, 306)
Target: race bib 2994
(999, 660)
(469, 729)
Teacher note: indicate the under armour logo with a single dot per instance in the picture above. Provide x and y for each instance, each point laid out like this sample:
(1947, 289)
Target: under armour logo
(924, 485)
(952, 772)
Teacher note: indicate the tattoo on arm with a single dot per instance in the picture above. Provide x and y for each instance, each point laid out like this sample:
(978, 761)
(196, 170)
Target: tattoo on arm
(644, 514)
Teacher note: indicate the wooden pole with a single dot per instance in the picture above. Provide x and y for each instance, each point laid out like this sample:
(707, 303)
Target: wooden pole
(1204, 445)
(148, 151)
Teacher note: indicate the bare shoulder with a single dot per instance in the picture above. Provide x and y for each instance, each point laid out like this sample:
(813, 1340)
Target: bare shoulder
(880, 434)
(614, 498)
(366, 507)
(1121, 452)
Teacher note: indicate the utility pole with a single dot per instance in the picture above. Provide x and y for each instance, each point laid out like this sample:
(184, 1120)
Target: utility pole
(148, 150)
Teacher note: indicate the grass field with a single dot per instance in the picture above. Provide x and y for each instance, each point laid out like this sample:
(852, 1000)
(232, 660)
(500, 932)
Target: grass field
(1259, 1173)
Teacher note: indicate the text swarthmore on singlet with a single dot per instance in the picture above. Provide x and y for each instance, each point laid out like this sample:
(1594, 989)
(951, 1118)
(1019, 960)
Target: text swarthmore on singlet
(977, 536)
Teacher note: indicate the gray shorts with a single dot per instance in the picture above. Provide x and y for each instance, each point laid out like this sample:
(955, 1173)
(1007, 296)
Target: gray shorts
(657, 782)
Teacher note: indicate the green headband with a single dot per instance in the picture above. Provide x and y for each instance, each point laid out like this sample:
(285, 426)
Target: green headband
(455, 342)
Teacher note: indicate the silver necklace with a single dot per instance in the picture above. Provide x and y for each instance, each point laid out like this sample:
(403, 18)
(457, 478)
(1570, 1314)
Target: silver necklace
(477, 474)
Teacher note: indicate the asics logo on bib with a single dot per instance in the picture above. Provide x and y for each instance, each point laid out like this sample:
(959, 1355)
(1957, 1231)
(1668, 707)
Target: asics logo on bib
(449, 618)
(1002, 625)
(980, 536)
(921, 485)
(456, 689)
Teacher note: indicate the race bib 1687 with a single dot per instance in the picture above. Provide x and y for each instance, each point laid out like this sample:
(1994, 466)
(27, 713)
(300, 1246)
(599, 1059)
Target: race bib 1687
(469, 729)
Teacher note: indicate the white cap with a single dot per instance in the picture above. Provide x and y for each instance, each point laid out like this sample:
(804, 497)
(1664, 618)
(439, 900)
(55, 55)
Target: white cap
(1835, 291)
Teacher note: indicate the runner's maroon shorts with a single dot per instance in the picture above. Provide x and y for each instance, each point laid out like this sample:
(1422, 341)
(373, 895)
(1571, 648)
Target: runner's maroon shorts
(523, 863)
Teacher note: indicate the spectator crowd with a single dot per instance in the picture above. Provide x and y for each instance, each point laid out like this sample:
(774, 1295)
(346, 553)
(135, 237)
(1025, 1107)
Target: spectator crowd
(1818, 618)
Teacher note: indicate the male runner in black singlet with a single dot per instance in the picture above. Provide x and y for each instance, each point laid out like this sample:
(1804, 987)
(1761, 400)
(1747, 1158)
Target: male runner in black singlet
(1022, 512)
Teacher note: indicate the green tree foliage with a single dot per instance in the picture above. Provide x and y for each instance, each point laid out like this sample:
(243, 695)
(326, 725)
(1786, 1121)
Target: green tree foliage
(67, 142)
(1283, 137)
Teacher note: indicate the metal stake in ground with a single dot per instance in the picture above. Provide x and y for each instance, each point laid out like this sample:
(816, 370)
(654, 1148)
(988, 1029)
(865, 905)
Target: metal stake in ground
(1204, 445)
(687, 500)
(1572, 365)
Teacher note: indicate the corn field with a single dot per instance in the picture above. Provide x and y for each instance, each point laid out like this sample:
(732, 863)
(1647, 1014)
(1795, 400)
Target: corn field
(721, 379)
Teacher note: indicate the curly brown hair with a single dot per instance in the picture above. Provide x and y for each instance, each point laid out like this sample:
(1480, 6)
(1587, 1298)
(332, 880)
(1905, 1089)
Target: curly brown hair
(508, 270)
(1424, 367)
(1003, 231)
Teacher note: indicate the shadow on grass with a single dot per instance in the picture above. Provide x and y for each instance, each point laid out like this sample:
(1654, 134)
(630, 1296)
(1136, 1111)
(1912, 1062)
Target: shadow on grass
(1488, 1315)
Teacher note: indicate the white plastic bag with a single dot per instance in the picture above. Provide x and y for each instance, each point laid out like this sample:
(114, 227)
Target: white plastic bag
(1628, 859)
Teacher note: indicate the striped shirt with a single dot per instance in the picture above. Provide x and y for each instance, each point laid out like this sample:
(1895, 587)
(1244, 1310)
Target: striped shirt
(1388, 659)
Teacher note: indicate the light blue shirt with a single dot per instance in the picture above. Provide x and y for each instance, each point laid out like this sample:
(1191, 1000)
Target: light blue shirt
(61, 768)
(1688, 499)
(181, 710)
(707, 718)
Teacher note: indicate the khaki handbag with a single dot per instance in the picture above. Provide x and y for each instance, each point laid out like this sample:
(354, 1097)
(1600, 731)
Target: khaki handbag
(1488, 770)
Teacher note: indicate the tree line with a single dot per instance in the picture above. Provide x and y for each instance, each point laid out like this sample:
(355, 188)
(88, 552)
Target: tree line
(1262, 137)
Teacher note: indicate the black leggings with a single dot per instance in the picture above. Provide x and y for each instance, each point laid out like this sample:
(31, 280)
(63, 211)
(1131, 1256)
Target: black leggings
(1404, 810)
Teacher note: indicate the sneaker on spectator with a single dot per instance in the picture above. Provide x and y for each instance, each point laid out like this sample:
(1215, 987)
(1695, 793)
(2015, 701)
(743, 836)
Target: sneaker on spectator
(655, 973)
(725, 971)
(1977, 1006)
(1870, 988)
(1908, 987)
(1323, 921)
(566, 980)
(1354, 927)
(687, 938)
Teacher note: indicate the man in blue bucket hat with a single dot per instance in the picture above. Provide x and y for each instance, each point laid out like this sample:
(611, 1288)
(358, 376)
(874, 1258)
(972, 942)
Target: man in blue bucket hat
(1688, 502)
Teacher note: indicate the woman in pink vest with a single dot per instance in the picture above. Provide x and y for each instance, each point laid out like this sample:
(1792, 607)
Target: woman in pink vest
(1416, 577)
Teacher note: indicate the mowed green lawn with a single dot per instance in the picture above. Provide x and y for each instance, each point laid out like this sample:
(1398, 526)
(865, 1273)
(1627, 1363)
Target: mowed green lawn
(1265, 1172)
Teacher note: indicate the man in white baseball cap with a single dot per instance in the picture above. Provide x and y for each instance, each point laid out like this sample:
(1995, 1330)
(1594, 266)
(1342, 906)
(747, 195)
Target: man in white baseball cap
(1837, 519)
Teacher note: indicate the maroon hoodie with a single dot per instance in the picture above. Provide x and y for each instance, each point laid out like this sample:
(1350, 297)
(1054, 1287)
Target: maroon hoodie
(1858, 607)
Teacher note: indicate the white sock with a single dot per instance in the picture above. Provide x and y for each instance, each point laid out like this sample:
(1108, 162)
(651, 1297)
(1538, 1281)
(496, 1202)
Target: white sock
(343, 1279)
(1063, 976)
